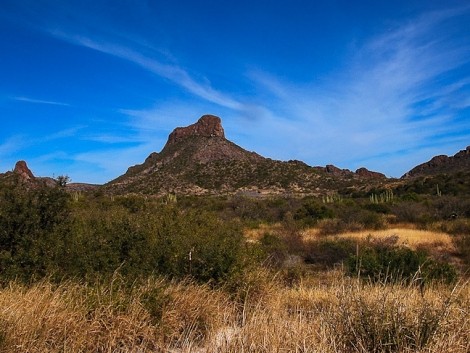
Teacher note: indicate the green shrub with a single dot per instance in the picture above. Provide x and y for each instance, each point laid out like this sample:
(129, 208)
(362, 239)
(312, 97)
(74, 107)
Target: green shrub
(312, 211)
(329, 252)
(273, 250)
(386, 262)
(33, 226)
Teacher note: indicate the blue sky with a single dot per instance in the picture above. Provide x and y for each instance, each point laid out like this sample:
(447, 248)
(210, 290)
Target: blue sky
(89, 88)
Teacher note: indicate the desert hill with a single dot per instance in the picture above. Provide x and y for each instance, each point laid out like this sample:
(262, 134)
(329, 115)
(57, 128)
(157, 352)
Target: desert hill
(198, 159)
(443, 164)
(446, 175)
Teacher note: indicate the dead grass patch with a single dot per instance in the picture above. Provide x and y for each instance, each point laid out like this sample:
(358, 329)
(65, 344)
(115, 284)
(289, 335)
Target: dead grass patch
(338, 315)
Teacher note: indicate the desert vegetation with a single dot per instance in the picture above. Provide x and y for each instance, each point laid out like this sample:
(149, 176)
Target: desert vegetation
(94, 272)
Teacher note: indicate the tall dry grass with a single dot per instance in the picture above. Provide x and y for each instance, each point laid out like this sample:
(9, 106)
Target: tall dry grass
(261, 315)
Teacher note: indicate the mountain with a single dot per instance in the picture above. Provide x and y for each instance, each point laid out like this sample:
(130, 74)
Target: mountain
(21, 173)
(442, 164)
(441, 175)
(198, 159)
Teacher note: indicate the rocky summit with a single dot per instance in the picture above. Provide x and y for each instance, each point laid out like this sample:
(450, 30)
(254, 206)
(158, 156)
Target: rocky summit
(206, 126)
(23, 172)
(198, 159)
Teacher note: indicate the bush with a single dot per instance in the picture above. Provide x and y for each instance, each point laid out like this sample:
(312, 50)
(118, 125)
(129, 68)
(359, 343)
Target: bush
(329, 252)
(377, 320)
(385, 262)
(273, 250)
(311, 212)
(34, 224)
(166, 241)
(462, 242)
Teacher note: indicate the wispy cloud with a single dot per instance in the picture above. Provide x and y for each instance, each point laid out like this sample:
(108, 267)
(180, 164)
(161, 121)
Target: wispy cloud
(398, 93)
(38, 101)
(11, 145)
(171, 72)
(100, 166)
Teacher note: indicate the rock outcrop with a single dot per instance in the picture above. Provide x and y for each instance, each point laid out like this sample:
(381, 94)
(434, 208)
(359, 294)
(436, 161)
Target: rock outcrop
(22, 170)
(206, 126)
(366, 173)
(442, 164)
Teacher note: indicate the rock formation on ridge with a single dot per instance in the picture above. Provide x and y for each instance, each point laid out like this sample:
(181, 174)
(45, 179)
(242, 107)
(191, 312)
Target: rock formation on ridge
(198, 159)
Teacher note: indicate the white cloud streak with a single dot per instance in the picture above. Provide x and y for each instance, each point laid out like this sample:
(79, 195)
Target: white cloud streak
(397, 98)
(173, 73)
(38, 101)
(392, 99)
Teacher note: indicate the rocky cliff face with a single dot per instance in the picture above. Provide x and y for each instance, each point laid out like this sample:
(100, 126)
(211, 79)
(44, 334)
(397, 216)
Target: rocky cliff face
(22, 170)
(206, 126)
(364, 172)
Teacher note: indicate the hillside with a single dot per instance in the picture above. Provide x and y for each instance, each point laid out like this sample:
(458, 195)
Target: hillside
(443, 164)
(198, 159)
(448, 175)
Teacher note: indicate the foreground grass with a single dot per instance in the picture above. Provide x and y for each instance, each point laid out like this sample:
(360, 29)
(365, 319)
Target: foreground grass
(260, 315)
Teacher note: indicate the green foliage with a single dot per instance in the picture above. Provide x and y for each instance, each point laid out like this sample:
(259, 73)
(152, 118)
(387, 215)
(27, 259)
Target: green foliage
(329, 252)
(273, 249)
(312, 211)
(33, 227)
(43, 233)
(383, 261)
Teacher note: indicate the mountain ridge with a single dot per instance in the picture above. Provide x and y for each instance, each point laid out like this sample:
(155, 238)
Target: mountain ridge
(442, 164)
(198, 159)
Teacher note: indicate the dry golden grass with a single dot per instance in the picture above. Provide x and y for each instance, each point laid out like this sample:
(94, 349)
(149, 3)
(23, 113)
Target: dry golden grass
(254, 234)
(344, 315)
(407, 236)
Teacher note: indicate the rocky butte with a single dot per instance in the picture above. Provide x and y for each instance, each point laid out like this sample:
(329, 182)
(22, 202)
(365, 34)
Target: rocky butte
(198, 159)
(206, 126)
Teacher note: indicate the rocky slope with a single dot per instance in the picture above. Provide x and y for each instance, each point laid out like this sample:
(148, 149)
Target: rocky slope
(198, 159)
(441, 175)
(21, 173)
(442, 164)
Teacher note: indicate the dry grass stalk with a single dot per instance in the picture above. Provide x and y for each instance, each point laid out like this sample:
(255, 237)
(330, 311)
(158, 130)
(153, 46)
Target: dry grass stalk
(342, 315)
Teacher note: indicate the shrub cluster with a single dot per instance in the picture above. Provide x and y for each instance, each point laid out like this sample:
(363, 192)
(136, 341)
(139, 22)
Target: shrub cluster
(384, 261)
(44, 232)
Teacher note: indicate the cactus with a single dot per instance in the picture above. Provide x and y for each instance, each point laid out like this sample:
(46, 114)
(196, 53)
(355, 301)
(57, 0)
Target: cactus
(386, 196)
(332, 198)
(170, 198)
(77, 195)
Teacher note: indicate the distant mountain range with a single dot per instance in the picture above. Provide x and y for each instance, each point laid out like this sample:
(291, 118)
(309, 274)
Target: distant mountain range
(199, 160)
